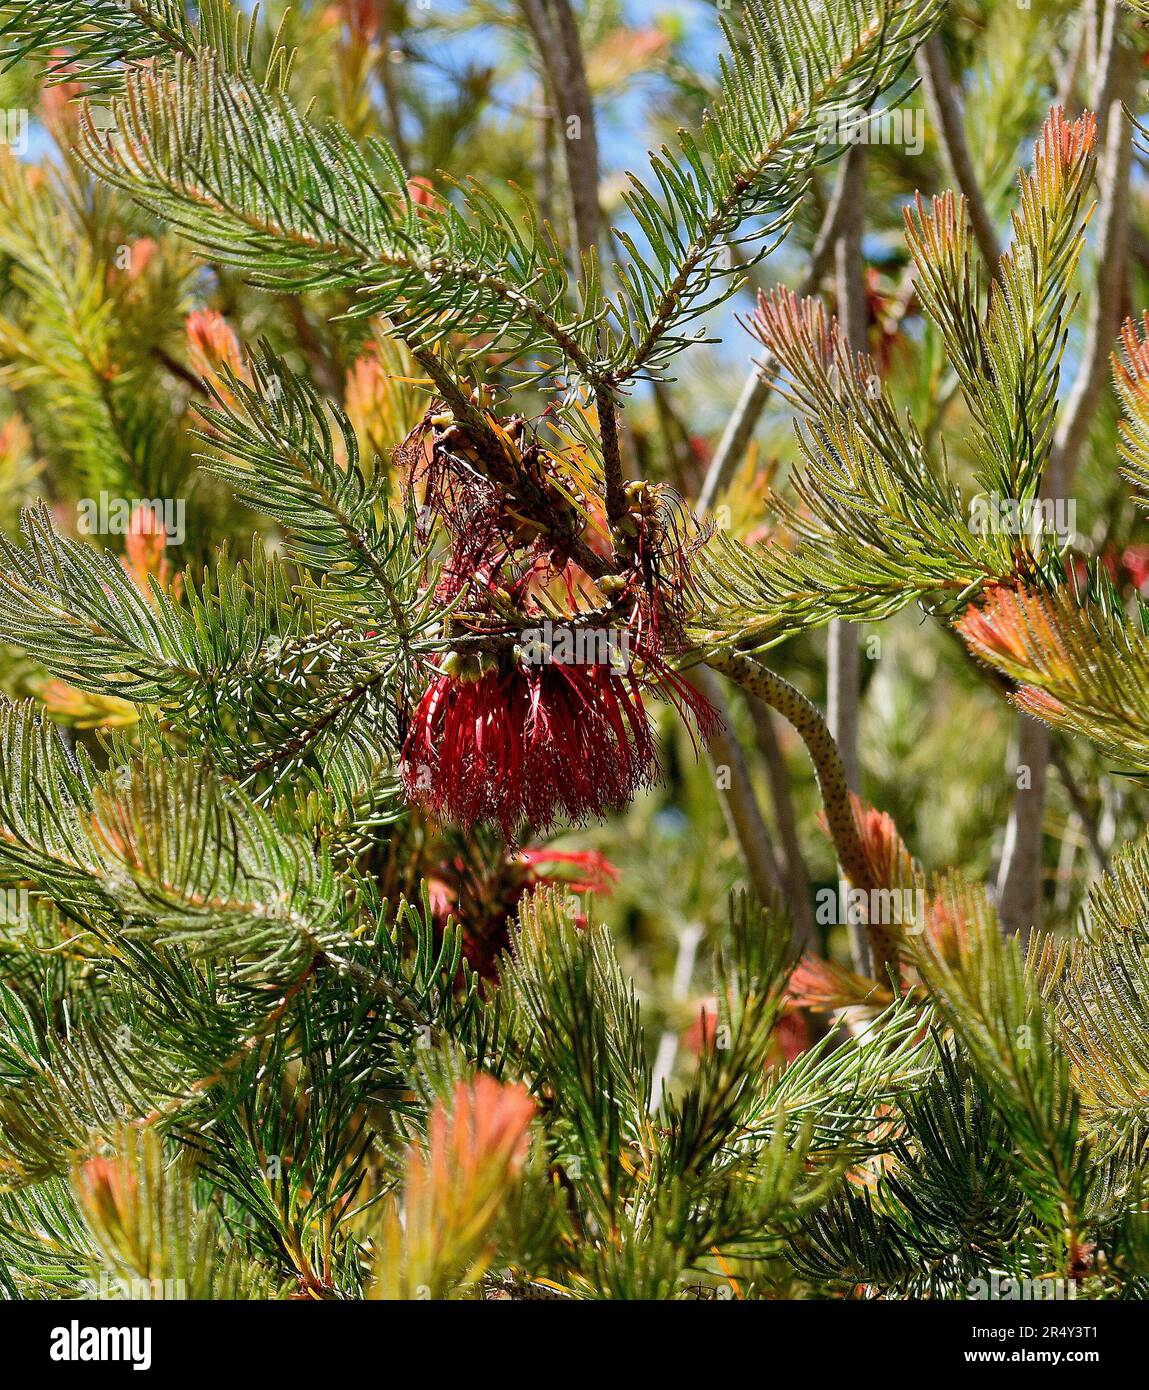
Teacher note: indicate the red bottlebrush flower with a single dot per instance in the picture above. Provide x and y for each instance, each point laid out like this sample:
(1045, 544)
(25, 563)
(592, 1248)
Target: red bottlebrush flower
(524, 741)
(478, 881)
(597, 873)
(886, 314)
(525, 746)
(701, 449)
(1135, 559)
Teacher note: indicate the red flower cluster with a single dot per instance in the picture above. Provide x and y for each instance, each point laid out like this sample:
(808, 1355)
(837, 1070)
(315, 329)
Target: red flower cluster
(479, 881)
(524, 746)
(526, 740)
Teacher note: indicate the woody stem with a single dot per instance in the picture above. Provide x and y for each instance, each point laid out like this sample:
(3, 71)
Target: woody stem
(811, 726)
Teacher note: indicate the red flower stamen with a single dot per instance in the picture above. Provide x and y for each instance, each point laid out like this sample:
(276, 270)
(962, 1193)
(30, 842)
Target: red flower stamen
(531, 745)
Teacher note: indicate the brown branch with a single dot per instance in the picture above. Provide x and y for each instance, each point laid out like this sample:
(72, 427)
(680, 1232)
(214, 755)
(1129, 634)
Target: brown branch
(807, 719)
(616, 507)
(843, 666)
(739, 802)
(760, 382)
(555, 31)
(947, 118)
(797, 874)
(1079, 803)
(1019, 884)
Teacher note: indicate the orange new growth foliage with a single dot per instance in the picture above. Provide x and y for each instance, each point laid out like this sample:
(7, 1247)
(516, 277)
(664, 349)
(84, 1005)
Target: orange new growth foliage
(941, 234)
(1132, 380)
(1061, 164)
(1063, 151)
(60, 100)
(454, 1191)
(947, 917)
(795, 330)
(108, 1189)
(1132, 375)
(474, 1147)
(145, 544)
(1017, 631)
(622, 54)
(212, 348)
(822, 986)
(891, 863)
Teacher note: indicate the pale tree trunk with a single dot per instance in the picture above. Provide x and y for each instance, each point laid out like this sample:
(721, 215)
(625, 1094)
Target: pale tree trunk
(797, 874)
(1020, 875)
(844, 660)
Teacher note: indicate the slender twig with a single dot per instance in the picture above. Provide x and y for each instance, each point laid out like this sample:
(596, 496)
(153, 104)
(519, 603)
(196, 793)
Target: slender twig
(179, 371)
(947, 118)
(843, 665)
(1019, 875)
(1084, 811)
(760, 382)
(739, 802)
(1069, 73)
(797, 873)
(616, 507)
(555, 31)
(300, 742)
(841, 821)
(390, 95)
(1107, 73)
(1019, 883)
